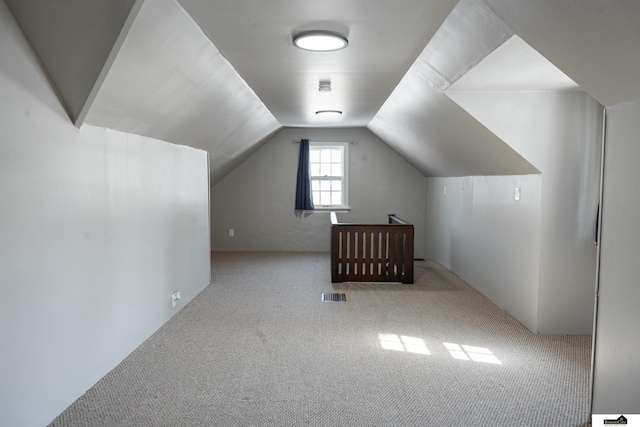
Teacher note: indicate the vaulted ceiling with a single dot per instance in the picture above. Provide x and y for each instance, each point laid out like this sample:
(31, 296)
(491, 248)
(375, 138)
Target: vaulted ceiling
(224, 75)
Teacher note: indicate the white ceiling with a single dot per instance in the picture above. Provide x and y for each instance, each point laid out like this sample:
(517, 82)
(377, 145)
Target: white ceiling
(224, 76)
(73, 40)
(385, 37)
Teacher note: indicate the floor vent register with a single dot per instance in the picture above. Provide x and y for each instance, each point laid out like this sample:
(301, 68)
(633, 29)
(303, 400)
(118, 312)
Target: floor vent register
(329, 297)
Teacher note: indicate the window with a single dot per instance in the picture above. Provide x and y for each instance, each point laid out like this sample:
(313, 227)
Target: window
(328, 162)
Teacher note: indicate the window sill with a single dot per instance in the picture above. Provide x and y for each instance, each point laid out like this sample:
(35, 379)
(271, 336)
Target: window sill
(340, 209)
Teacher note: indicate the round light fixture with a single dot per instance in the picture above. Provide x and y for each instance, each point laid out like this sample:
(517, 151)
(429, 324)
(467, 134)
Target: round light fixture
(328, 113)
(320, 41)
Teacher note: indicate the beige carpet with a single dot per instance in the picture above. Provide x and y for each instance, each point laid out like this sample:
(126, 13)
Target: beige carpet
(259, 348)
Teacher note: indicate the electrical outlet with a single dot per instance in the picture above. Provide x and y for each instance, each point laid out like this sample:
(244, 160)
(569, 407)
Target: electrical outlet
(517, 193)
(232, 232)
(174, 298)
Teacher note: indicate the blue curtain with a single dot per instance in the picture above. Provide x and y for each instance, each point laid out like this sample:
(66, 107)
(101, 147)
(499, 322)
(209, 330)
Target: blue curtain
(304, 198)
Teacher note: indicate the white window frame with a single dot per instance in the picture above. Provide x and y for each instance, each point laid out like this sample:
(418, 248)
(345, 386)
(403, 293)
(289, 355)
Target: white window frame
(344, 147)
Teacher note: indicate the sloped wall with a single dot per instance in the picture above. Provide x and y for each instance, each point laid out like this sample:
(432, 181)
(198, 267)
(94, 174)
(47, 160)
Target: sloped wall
(97, 229)
(256, 200)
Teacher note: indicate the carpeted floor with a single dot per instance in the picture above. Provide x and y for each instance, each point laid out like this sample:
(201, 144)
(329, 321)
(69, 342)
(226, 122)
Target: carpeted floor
(258, 347)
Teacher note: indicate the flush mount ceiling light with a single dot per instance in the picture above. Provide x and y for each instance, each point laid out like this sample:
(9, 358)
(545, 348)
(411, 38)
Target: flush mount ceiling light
(320, 41)
(328, 113)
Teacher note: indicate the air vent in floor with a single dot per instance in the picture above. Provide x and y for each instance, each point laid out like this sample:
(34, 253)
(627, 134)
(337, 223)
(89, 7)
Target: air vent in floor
(329, 297)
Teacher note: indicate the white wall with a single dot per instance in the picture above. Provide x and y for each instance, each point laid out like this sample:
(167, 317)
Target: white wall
(560, 134)
(617, 335)
(257, 198)
(478, 230)
(97, 228)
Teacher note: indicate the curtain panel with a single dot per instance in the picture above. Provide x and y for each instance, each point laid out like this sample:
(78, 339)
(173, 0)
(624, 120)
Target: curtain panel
(304, 198)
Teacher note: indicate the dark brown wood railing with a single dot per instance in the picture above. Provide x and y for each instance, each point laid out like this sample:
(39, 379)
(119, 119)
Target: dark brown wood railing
(372, 252)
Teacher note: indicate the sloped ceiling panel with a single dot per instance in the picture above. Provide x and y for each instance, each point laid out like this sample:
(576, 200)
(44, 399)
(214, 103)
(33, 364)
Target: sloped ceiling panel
(514, 66)
(594, 42)
(469, 34)
(170, 82)
(425, 126)
(73, 39)
(437, 136)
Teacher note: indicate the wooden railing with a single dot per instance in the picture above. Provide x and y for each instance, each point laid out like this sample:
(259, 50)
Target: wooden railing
(371, 252)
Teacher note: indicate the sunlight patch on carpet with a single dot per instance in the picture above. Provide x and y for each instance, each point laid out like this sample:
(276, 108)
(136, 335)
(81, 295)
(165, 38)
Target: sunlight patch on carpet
(470, 352)
(403, 343)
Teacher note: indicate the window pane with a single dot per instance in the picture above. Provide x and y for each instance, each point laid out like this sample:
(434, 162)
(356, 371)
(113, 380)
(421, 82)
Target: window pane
(325, 185)
(315, 169)
(336, 185)
(336, 198)
(336, 169)
(325, 169)
(316, 198)
(325, 198)
(314, 156)
(325, 156)
(315, 185)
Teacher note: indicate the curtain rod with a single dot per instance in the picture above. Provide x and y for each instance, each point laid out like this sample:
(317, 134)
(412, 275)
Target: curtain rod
(297, 141)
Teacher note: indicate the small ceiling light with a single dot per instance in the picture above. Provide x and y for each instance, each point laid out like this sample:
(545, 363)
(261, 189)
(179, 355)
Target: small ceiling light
(324, 87)
(320, 41)
(328, 113)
